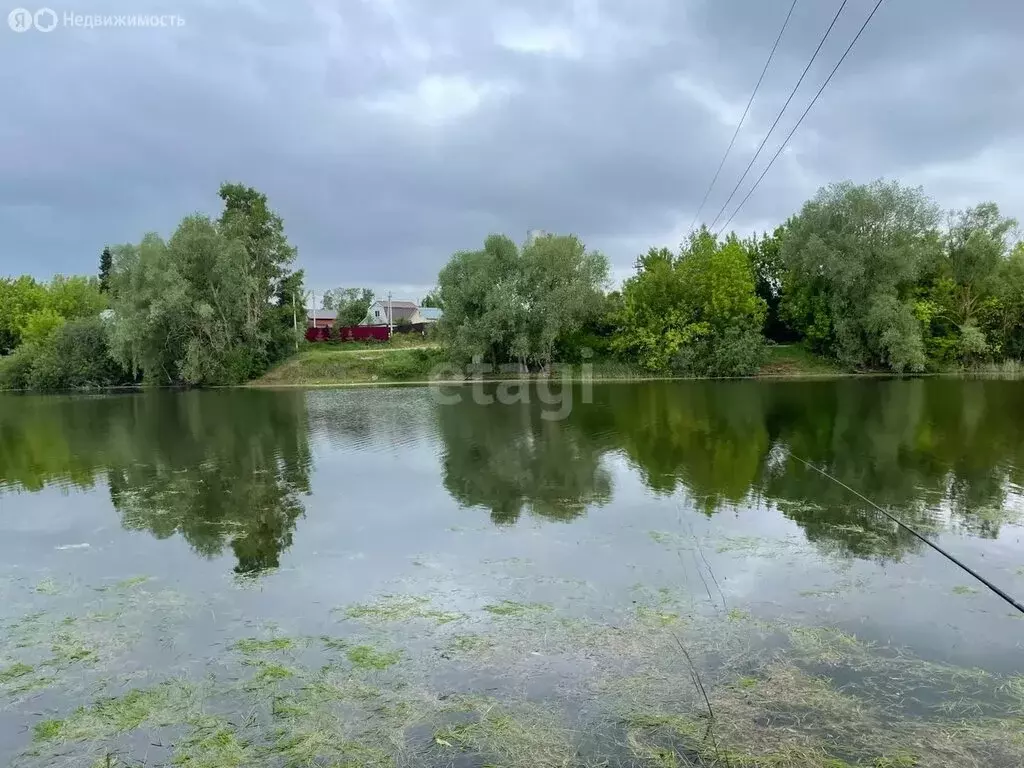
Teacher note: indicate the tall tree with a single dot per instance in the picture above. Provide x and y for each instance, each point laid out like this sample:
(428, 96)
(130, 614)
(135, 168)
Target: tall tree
(106, 263)
(351, 304)
(853, 256)
(512, 306)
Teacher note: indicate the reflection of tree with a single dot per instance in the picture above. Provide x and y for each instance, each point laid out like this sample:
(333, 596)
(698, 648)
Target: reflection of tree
(707, 436)
(507, 457)
(216, 467)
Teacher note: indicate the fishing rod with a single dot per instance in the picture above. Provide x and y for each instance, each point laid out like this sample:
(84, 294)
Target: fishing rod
(1015, 603)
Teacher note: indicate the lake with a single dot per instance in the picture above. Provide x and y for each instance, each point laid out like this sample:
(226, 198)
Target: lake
(650, 577)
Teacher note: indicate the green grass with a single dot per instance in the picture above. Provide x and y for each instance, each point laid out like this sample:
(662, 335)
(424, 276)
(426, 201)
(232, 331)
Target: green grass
(252, 646)
(368, 657)
(512, 608)
(14, 671)
(354, 364)
(963, 589)
(796, 360)
(398, 608)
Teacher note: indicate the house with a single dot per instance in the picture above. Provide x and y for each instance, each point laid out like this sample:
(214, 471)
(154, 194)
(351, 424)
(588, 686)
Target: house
(400, 311)
(320, 318)
(426, 316)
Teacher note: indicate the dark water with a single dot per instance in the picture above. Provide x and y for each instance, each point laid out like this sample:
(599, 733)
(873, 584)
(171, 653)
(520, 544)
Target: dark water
(657, 515)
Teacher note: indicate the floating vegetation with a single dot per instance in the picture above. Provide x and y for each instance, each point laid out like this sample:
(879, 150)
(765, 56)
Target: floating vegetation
(14, 671)
(368, 657)
(396, 608)
(963, 589)
(132, 582)
(252, 646)
(514, 609)
(470, 644)
(526, 736)
(48, 587)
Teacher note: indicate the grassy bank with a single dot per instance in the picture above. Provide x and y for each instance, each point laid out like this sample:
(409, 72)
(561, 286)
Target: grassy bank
(350, 364)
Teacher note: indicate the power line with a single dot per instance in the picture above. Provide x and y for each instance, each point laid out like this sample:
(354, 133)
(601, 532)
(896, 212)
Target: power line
(786, 140)
(743, 117)
(781, 111)
(1008, 598)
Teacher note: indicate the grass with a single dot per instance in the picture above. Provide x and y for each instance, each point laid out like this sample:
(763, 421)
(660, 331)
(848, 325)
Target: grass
(963, 589)
(14, 671)
(470, 644)
(368, 657)
(171, 703)
(354, 364)
(527, 737)
(796, 360)
(399, 608)
(514, 609)
(252, 646)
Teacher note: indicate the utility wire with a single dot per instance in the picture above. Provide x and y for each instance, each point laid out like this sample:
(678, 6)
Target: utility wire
(781, 111)
(742, 117)
(786, 140)
(1015, 603)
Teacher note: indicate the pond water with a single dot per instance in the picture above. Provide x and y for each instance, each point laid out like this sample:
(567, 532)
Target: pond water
(652, 577)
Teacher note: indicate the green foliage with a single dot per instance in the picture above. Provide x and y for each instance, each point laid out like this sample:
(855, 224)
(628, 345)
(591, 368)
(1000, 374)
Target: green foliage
(853, 257)
(507, 305)
(212, 305)
(351, 304)
(697, 313)
(432, 299)
(30, 311)
(75, 355)
(106, 264)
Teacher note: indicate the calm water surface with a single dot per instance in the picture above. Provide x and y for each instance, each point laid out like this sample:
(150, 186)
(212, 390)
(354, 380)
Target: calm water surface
(368, 577)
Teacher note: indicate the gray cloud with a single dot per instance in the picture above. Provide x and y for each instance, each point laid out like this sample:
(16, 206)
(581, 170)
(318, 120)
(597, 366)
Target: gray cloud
(390, 133)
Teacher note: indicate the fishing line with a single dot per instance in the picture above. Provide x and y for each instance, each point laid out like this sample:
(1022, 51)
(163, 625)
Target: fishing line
(904, 526)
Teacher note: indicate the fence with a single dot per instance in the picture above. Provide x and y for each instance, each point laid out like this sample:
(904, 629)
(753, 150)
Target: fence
(349, 333)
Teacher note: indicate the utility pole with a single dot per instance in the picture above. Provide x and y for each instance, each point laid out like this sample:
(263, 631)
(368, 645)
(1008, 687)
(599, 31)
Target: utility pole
(391, 316)
(295, 322)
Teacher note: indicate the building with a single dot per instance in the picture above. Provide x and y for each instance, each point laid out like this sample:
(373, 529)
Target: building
(320, 318)
(426, 316)
(401, 311)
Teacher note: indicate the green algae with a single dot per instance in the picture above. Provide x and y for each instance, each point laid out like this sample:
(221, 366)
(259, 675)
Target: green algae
(368, 657)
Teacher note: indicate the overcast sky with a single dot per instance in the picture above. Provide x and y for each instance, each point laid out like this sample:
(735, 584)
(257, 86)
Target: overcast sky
(389, 133)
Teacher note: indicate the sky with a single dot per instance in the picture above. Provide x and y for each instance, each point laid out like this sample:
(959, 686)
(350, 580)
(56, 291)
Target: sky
(390, 133)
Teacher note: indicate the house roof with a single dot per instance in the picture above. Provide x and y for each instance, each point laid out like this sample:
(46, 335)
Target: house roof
(321, 314)
(430, 313)
(397, 304)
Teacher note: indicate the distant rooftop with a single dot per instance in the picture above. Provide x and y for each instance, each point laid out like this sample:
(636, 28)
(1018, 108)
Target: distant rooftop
(322, 314)
(430, 313)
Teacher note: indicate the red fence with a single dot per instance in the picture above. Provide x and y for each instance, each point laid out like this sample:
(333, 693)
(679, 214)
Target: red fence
(349, 333)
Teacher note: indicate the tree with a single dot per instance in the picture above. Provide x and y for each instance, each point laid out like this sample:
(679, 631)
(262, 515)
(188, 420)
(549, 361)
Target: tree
(351, 304)
(765, 255)
(212, 305)
(962, 289)
(432, 299)
(106, 263)
(697, 313)
(510, 306)
(853, 256)
(19, 298)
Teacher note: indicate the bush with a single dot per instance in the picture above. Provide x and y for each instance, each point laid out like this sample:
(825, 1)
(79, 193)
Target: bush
(15, 368)
(75, 356)
(737, 352)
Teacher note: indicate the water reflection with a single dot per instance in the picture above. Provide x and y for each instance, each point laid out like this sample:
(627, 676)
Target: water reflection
(230, 468)
(218, 468)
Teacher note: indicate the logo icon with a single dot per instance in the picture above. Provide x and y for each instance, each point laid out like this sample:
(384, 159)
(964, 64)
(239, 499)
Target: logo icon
(45, 19)
(20, 20)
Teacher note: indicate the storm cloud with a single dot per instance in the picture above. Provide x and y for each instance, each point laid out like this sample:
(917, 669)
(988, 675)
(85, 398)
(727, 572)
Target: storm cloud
(390, 133)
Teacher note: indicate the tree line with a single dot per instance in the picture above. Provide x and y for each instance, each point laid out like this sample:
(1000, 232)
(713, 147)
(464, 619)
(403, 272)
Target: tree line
(872, 276)
(216, 303)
